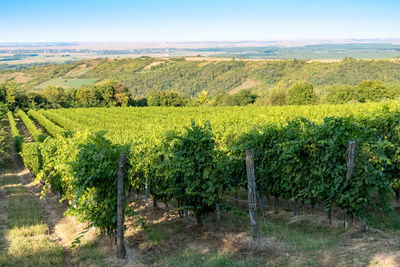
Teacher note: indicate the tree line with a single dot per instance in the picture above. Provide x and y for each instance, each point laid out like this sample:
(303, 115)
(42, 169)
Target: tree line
(112, 93)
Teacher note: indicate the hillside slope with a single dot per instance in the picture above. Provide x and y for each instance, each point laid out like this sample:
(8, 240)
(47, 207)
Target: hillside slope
(190, 77)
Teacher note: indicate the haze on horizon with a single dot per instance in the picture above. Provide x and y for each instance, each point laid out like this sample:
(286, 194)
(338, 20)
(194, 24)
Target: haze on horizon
(186, 21)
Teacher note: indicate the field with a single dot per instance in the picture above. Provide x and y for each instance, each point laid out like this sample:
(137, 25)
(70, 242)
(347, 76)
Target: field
(66, 82)
(56, 53)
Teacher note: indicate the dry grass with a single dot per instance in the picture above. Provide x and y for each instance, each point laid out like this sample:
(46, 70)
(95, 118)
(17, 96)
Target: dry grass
(245, 85)
(19, 77)
(153, 64)
(242, 245)
(78, 71)
(28, 240)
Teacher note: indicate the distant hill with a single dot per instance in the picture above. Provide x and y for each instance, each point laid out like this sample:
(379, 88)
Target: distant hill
(194, 74)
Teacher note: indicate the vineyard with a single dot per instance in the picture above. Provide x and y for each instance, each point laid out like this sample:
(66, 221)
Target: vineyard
(195, 157)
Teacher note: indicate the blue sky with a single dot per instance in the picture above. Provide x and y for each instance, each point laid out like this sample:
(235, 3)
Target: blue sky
(200, 20)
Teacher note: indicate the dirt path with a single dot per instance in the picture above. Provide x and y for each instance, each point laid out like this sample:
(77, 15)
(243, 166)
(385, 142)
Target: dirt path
(26, 236)
(50, 210)
(18, 192)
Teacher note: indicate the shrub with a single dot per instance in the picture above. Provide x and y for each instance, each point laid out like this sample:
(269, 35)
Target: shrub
(302, 94)
(167, 98)
(278, 95)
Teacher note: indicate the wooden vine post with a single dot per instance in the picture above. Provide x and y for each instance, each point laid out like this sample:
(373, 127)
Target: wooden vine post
(121, 252)
(252, 198)
(350, 156)
(146, 192)
(218, 215)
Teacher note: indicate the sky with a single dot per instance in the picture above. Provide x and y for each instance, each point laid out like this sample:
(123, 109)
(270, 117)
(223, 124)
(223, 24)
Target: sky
(196, 20)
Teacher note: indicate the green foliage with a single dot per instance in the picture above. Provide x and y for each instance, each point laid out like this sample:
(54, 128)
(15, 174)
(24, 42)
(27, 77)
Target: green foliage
(299, 153)
(95, 185)
(36, 134)
(186, 77)
(123, 80)
(276, 96)
(372, 91)
(3, 110)
(32, 157)
(192, 170)
(54, 172)
(166, 98)
(306, 162)
(105, 94)
(191, 77)
(193, 258)
(11, 95)
(3, 92)
(55, 96)
(203, 97)
(83, 170)
(242, 98)
(4, 148)
(62, 121)
(17, 137)
(365, 91)
(86, 97)
(50, 127)
(302, 94)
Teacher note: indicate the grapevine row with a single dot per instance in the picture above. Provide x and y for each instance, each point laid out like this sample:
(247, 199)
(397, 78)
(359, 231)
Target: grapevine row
(50, 126)
(16, 135)
(299, 156)
(36, 134)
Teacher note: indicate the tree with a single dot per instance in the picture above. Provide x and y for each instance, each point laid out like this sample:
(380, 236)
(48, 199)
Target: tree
(203, 97)
(363, 92)
(55, 96)
(339, 94)
(121, 95)
(105, 93)
(36, 100)
(242, 98)
(220, 99)
(302, 94)
(166, 98)
(11, 94)
(86, 97)
(371, 91)
(278, 95)
(3, 92)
